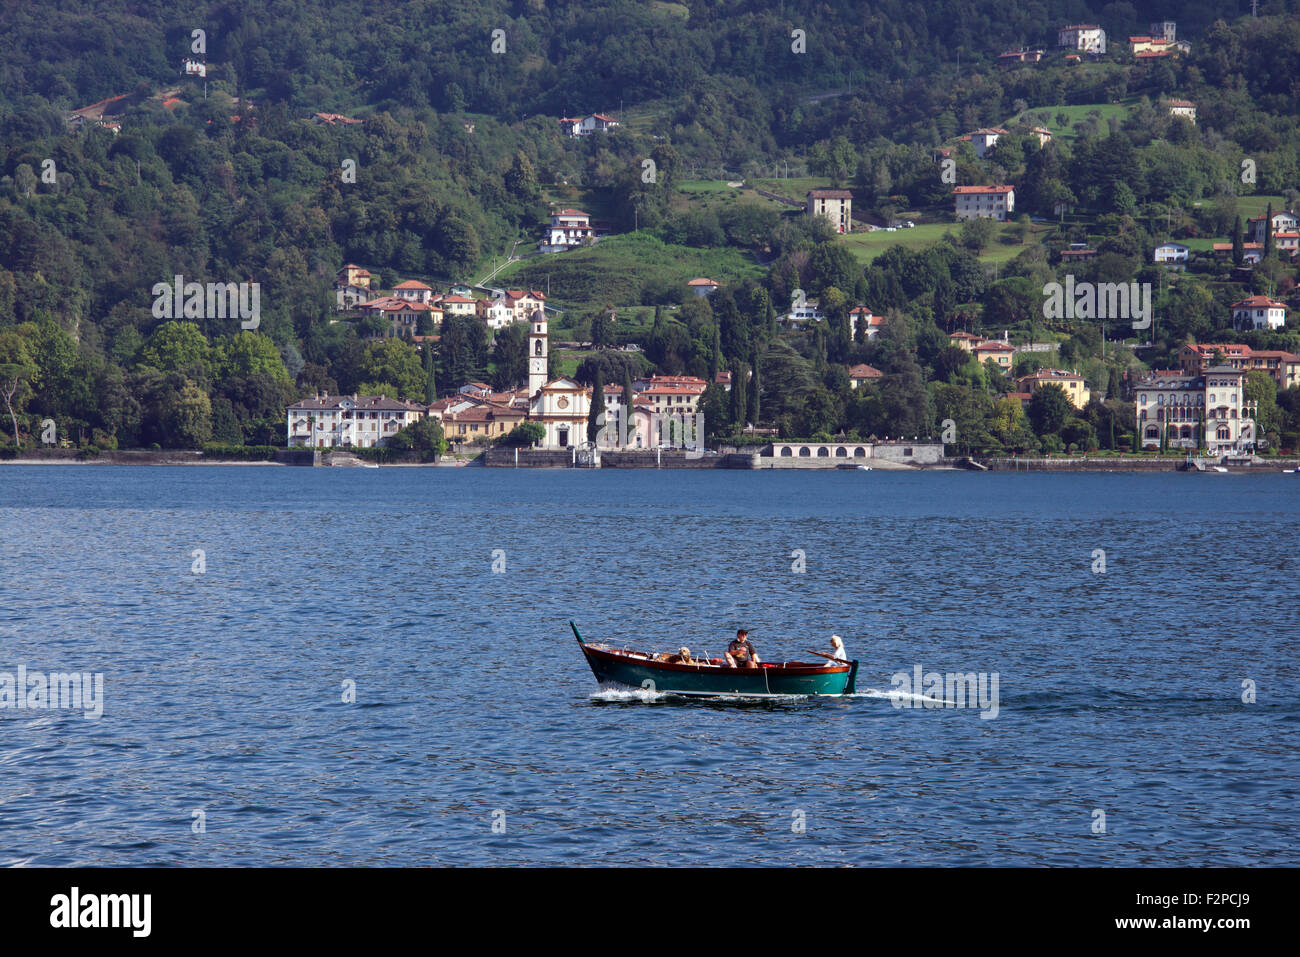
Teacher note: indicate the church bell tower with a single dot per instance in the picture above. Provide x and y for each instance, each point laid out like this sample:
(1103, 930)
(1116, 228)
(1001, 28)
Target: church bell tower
(537, 357)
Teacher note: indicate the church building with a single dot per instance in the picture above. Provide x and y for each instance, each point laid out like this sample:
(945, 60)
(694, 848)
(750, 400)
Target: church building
(560, 405)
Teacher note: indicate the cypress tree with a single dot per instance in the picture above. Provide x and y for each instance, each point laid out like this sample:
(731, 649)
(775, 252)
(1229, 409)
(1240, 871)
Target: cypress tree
(739, 403)
(430, 383)
(1268, 232)
(629, 418)
(1236, 243)
(754, 387)
(715, 360)
(594, 421)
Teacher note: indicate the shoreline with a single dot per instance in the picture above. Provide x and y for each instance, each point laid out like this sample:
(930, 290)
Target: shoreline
(1101, 465)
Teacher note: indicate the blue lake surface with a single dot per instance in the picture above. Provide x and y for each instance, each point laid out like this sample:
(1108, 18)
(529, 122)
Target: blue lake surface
(1120, 691)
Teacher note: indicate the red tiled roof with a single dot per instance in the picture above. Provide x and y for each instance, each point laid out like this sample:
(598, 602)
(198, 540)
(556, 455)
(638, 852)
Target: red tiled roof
(1258, 302)
(968, 190)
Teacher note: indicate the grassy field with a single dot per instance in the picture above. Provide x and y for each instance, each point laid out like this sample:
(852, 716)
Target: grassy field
(796, 187)
(616, 269)
(1250, 206)
(1074, 114)
(702, 187)
(597, 202)
(867, 246)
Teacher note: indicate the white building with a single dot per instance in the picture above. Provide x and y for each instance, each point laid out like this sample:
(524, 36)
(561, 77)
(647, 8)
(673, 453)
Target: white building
(863, 315)
(568, 228)
(561, 406)
(1191, 412)
(985, 139)
(496, 313)
(1087, 37)
(1171, 253)
(413, 291)
(586, 125)
(1184, 108)
(524, 303)
(457, 305)
(1258, 312)
(1283, 222)
(985, 202)
(360, 421)
(802, 313)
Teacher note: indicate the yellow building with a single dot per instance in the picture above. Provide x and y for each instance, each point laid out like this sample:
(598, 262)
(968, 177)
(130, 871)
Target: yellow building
(485, 421)
(1076, 390)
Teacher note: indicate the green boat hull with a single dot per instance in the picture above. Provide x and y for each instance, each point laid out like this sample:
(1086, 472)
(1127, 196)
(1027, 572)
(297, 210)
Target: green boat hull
(634, 670)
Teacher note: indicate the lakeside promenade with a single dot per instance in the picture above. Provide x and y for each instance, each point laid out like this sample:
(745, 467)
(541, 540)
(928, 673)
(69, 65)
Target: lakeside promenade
(666, 459)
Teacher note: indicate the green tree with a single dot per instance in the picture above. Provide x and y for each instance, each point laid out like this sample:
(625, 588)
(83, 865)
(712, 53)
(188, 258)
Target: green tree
(596, 414)
(179, 347)
(1262, 390)
(424, 436)
(525, 434)
(977, 233)
(395, 361)
(430, 380)
(510, 356)
(187, 417)
(1049, 408)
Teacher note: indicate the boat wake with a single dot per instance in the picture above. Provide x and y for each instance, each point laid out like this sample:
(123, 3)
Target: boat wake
(897, 695)
(623, 695)
(643, 695)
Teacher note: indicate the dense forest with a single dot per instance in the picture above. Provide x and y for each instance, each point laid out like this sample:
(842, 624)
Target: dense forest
(230, 179)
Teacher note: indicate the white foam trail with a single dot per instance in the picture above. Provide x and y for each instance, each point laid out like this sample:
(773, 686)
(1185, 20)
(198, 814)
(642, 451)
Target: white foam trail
(895, 694)
(644, 695)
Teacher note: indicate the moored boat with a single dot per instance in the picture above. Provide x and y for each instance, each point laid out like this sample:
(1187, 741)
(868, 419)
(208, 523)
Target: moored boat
(710, 677)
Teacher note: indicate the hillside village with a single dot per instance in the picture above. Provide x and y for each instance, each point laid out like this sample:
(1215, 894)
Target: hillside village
(844, 288)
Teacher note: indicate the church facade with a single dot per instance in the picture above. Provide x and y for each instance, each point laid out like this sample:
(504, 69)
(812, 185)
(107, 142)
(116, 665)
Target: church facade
(561, 406)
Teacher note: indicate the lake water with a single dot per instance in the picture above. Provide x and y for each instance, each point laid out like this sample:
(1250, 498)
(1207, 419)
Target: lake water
(1120, 691)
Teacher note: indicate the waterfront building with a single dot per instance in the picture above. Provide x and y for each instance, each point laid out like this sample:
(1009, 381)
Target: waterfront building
(1177, 410)
(362, 421)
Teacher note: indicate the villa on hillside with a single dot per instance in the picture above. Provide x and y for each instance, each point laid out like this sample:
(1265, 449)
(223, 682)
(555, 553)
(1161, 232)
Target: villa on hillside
(1283, 222)
(1284, 367)
(568, 228)
(985, 139)
(586, 125)
(1086, 37)
(1171, 254)
(984, 202)
(1258, 312)
(1076, 390)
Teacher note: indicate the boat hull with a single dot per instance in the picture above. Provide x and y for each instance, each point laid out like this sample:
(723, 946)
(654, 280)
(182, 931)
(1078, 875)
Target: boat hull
(636, 671)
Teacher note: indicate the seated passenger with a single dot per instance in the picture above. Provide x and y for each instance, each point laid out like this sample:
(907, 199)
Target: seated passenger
(741, 653)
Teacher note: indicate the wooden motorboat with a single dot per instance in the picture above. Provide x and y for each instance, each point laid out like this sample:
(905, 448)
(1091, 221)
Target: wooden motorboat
(711, 677)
